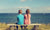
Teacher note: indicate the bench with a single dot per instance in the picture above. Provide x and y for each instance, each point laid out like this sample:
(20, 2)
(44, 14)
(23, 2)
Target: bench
(11, 26)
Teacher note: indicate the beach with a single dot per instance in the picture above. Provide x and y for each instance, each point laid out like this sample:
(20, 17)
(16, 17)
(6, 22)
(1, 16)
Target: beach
(10, 18)
(4, 26)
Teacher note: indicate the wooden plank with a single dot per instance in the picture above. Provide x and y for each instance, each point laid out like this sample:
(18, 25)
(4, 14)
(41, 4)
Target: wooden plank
(12, 26)
(24, 24)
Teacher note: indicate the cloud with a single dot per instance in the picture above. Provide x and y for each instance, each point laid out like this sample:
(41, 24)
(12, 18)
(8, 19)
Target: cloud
(25, 0)
(22, 0)
(30, 0)
(32, 10)
(24, 7)
(48, 8)
(41, 10)
(36, 10)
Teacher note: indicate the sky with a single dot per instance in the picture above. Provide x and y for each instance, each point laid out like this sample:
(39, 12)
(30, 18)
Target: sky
(35, 6)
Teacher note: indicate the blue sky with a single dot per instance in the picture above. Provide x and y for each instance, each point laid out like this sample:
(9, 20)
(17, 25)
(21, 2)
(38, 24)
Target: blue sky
(35, 6)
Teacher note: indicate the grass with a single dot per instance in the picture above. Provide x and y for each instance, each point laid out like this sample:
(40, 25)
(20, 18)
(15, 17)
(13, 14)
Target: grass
(4, 26)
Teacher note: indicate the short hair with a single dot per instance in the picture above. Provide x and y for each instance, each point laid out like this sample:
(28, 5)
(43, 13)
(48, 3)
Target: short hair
(27, 11)
(20, 11)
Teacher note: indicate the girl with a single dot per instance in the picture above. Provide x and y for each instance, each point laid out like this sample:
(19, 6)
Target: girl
(27, 17)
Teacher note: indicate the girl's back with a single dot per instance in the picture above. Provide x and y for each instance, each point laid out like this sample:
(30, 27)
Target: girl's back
(27, 19)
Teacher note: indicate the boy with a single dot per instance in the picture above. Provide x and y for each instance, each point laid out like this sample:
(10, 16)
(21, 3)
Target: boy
(20, 19)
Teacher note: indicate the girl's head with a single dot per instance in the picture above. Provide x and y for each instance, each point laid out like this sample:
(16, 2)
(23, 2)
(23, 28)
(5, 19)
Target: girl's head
(27, 11)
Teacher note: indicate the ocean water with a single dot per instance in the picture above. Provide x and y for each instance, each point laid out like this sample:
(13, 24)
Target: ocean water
(43, 18)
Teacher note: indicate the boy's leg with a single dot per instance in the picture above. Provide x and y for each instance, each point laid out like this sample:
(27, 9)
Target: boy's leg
(21, 27)
(17, 27)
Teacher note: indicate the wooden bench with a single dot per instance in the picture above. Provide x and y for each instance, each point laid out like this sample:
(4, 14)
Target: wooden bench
(11, 26)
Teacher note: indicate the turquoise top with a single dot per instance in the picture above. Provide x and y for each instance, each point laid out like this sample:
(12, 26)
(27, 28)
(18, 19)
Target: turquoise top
(20, 19)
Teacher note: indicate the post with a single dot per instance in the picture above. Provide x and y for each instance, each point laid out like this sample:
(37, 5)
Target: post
(12, 27)
(36, 27)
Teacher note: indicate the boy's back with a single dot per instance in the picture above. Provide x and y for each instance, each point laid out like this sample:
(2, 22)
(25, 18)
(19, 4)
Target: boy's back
(20, 19)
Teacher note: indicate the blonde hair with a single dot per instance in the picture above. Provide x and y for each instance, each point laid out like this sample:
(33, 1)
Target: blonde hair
(20, 11)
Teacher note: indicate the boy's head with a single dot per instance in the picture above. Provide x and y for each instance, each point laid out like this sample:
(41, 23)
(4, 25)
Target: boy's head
(20, 11)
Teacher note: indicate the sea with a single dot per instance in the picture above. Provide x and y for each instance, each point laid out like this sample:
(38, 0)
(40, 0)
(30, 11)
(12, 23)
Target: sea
(41, 18)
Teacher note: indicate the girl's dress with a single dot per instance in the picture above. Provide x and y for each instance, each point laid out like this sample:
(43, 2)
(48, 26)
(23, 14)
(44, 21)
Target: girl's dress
(27, 19)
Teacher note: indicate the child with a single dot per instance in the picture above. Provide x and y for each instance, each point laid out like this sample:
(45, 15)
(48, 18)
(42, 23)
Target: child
(27, 17)
(20, 18)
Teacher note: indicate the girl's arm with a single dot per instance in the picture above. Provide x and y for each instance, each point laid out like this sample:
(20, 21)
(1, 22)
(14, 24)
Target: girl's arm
(30, 19)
